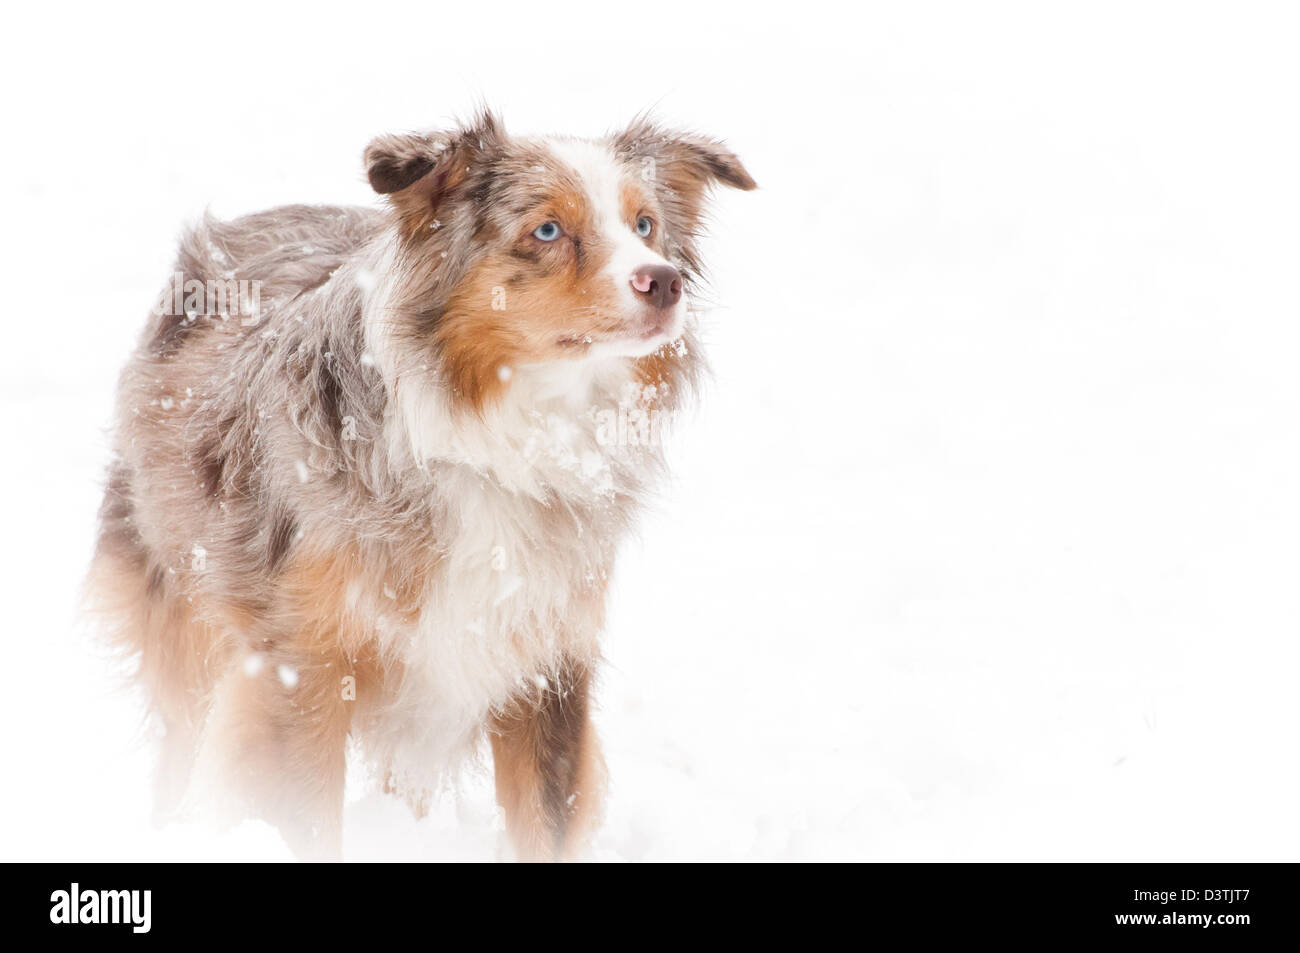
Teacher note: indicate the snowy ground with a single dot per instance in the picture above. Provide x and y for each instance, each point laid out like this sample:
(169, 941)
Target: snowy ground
(985, 543)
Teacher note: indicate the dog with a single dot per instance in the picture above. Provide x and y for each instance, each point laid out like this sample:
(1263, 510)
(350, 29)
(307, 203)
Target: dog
(373, 509)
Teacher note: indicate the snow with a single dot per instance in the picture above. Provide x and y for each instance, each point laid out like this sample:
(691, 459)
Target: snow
(982, 544)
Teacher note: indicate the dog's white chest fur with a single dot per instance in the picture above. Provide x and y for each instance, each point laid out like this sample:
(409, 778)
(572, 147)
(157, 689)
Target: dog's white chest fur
(532, 504)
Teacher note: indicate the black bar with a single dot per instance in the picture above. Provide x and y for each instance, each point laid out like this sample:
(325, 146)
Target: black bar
(1221, 903)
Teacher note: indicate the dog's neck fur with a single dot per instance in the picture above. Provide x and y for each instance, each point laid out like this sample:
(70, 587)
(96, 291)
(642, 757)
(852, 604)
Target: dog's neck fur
(539, 439)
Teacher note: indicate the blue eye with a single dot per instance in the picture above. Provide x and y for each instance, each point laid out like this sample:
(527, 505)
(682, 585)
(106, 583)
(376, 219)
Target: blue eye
(644, 226)
(547, 233)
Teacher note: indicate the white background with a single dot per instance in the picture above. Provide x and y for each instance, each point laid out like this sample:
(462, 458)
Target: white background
(985, 541)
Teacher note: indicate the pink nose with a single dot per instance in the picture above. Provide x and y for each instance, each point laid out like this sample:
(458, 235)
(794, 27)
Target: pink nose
(661, 285)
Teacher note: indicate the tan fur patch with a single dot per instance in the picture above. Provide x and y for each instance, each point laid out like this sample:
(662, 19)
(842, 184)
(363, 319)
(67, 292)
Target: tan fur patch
(528, 302)
(550, 775)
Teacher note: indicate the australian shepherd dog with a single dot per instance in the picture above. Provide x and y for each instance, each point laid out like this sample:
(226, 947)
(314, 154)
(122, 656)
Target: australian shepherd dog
(372, 512)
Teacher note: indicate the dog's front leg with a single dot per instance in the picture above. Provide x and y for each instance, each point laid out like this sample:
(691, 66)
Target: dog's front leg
(549, 771)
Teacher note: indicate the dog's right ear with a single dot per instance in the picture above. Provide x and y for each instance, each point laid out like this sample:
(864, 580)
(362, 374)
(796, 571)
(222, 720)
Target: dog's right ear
(415, 172)
(418, 171)
(398, 161)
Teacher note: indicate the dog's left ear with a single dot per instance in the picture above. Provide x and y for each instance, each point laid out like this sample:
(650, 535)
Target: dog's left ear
(709, 158)
(681, 160)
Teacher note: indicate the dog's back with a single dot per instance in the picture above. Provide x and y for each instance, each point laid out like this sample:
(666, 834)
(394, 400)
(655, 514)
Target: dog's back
(183, 562)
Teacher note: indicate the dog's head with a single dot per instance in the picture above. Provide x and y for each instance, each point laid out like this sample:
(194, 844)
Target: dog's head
(519, 252)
